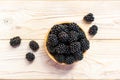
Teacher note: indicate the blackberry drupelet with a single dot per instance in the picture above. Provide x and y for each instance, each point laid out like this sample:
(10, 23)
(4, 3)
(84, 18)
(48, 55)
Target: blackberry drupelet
(93, 30)
(15, 41)
(89, 17)
(84, 44)
(69, 60)
(60, 58)
(52, 40)
(63, 37)
(30, 56)
(75, 47)
(34, 45)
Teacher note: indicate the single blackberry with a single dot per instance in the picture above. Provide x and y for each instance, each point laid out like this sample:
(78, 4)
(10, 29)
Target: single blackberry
(34, 45)
(73, 27)
(84, 44)
(51, 50)
(81, 35)
(89, 17)
(73, 36)
(15, 41)
(93, 30)
(61, 49)
(78, 56)
(63, 37)
(69, 60)
(56, 29)
(30, 56)
(60, 58)
(52, 40)
(75, 47)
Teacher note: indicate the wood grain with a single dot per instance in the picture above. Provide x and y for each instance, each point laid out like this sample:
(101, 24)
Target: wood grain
(100, 61)
(19, 16)
(31, 20)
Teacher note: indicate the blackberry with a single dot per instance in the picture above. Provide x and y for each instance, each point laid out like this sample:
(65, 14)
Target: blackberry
(30, 56)
(15, 41)
(81, 35)
(63, 37)
(34, 45)
(61, 49)
(73, 27)
(89, 17)
(52, 40)
(78, 56)
(69, 60)
(51, 50)
(73, 36)
(60, 58)
(56, 29)
(75, 47)
(93, 30)
(84, 44)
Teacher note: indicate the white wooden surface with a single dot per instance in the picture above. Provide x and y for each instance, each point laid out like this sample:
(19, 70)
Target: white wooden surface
(31, 20)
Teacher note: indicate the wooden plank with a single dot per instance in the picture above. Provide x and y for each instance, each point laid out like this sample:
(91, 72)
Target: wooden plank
(32, 20)
(101, 61)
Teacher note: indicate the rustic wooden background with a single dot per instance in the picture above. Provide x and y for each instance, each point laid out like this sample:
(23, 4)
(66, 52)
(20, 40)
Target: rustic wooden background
(31, 20)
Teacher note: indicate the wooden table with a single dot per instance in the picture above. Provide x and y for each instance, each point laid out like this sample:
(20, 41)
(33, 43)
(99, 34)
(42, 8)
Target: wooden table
(31, 20)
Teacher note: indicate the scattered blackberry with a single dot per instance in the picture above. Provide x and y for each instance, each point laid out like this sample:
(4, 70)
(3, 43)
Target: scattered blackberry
(84, 44)
(73, 36)
(52, 40)
(34, 45)
(93, 30)
(69, 60)
(15, 41)
(30, 56)
(63, 37)
(78, 56)
(56, 29)
(89, 17)
(61, 49)
(75, 47)
(60, 58)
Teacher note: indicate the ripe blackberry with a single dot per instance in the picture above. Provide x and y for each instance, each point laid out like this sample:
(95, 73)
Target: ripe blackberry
(93, 30)
(30, 56)
(60, 58)
(78, 56)
(84, 44)
(69, 60)
(52, 40)
(56, 29)
(51, 50)
(73, 27)
(34, 45)
(73, 36)
(89, 17)
(81, 35)
(61, 48)
(75, 47)
(15, 41)
(63, 37)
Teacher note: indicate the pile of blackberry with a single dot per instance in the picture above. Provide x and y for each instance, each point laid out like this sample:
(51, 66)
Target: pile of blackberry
(67, 42)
